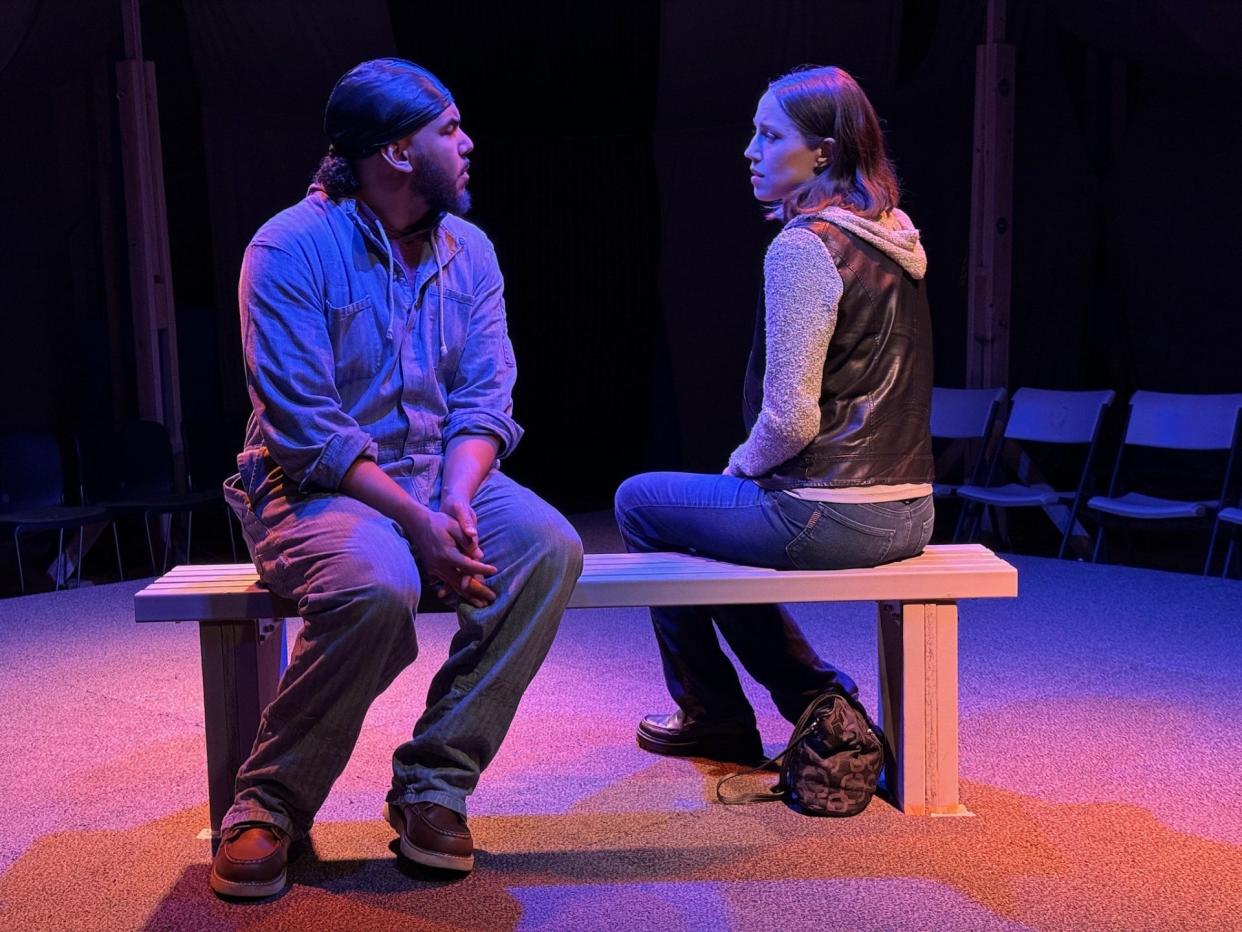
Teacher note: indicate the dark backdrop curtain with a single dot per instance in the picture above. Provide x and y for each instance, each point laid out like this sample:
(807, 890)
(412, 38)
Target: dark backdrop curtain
(66, 353)
(1150, 94)
(559, 98)
(716, 59)
(263, 72)
(610, 176)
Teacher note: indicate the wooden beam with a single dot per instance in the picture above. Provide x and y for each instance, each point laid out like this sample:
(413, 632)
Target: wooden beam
(109, 260)
(150, 264)
(991, 229)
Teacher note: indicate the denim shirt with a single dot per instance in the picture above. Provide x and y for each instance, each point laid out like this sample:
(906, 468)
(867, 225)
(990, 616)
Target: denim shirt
(347, 357)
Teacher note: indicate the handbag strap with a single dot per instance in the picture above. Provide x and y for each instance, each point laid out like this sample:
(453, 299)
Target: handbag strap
(801, 730)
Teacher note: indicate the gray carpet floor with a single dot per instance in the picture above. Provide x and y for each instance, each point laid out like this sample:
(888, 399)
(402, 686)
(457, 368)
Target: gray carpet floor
(1101, 742)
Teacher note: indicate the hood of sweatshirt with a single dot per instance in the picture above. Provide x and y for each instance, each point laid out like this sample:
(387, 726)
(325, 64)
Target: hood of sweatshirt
(893, 234)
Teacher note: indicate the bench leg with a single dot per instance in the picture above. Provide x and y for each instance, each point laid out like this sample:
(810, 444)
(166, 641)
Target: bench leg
(918, 699)
(242, 663)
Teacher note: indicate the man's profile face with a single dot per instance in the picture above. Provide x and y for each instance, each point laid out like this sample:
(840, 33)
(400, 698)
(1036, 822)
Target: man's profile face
(441, 169)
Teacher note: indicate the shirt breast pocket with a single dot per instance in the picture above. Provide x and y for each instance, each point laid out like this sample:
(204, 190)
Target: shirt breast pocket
(356, 340)
(457, 309)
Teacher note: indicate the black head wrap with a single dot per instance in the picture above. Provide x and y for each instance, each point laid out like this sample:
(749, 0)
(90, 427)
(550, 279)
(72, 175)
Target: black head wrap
(380, 101)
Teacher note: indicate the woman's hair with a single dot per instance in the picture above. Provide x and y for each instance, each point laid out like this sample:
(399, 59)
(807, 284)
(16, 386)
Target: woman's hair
(826, 102)
(336, 175)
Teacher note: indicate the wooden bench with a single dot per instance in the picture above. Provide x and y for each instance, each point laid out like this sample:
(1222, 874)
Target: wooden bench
(241, 637)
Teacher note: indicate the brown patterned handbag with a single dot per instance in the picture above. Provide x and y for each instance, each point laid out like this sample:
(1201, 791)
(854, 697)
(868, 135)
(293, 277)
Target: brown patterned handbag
(832, 764)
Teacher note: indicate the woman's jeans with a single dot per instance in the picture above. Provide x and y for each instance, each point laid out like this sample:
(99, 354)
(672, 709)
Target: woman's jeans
(733, 519)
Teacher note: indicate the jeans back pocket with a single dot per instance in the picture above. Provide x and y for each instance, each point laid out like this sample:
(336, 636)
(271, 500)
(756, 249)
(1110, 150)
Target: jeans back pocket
(838, 536)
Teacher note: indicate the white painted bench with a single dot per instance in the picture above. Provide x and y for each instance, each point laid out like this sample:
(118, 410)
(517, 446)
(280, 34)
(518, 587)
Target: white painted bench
(241, 627)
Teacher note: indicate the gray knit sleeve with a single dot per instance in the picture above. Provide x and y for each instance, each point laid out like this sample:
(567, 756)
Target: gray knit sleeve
(801, 290)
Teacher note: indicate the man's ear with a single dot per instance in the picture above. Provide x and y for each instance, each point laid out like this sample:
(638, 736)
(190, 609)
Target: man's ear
(398, 156)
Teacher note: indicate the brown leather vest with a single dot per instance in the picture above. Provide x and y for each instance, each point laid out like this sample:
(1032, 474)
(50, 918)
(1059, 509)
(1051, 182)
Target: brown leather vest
(875, 403)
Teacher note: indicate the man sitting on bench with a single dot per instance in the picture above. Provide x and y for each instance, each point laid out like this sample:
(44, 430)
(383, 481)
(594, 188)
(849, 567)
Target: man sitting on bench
(380, 370)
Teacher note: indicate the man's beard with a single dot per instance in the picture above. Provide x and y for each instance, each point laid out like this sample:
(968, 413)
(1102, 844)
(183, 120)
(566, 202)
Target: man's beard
(439, 189)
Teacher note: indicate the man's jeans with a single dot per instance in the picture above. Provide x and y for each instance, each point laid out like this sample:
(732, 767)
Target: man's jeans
(733, 519)
(357, 587)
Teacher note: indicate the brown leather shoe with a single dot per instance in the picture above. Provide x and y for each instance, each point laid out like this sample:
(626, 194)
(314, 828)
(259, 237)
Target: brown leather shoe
(432, 835)
(251, 861)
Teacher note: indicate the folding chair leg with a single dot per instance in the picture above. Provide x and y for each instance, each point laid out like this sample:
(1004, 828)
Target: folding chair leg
(1000, 525)
(81, 534)
(228, 519)
(146, 526)
(1207, 564)
(189, 530)
(116, 543)
(60, 559)
(961, 520)
(968, 525)
(1229, 554)
(977, 525)
(1099, 544)
(1069, 527)
(17, 546)
(166, 533)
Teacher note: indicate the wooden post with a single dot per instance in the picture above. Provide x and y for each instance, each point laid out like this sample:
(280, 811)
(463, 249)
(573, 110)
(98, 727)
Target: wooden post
(917, 644)
(104, 149)
(150, 266)
(242, 664)
(991, 230)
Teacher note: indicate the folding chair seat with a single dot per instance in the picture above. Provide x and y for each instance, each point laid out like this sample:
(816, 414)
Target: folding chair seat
(32, 495)
(1175, 423)
(1040, 417)
(127, 468)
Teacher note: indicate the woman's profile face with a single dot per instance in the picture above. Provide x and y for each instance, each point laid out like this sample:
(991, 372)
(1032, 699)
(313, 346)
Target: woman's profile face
(780, 159)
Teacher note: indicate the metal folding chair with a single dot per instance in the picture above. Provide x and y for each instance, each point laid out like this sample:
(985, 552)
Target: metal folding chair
(127, 468)
(1169, 422)
(32, 496)
(963, 417)
(1040, 417)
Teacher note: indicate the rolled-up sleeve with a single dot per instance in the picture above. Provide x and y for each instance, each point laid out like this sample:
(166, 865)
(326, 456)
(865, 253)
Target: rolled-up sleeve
(290, 368)
(480, 400)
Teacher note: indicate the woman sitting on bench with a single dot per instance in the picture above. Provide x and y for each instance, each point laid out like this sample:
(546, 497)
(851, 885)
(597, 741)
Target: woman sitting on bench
(836, 470)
